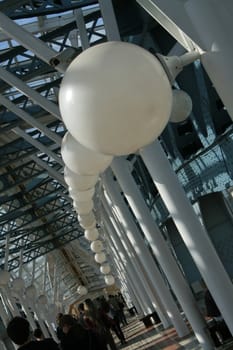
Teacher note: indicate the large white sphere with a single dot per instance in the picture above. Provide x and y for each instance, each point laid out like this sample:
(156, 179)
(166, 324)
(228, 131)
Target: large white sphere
(18, 284)
(87, 221)
(79, 182)
(83, 207)
(82, 290)
(181, 106)
(105, 269)
(81, 160)
(97, 246)
(100, 257)
(109, 280)
(82, 196)
(91, 234)
(31, 292)
(42, 300)
(4, 277)
(115, 98)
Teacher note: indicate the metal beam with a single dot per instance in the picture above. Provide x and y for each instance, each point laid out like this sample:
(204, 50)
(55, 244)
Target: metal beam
(30, 120)
(31, 93)
(38, 145)
(164, 12)
(38, 47)
(56, 175)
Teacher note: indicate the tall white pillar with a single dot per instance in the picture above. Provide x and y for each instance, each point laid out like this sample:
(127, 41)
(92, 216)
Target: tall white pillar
(160, 249)
(212, 23)
(5, 318)
(131, 273)
(120, 270)
(127, 282)
(138, 269)
(190, 228)
(10, 301)
(145, 257)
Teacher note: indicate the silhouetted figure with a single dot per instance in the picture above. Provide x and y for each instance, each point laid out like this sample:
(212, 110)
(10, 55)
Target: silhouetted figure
(211, 308)
(77, 337)
(18, 331)
(60, 333)
(81, 315)
(218, 330)
(49, 343)
(110, 322)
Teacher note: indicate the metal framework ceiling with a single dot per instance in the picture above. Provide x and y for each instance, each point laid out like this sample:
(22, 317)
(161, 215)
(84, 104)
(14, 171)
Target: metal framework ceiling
(36, 212)
(36, 215)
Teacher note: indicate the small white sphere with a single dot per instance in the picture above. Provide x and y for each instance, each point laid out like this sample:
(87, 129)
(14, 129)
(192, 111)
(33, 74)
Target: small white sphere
(105, 269)
(83, 207)
(31, 292)
(87, 221)
(115, 98)
(82, 196)
(79, 182)
(97, 246)
(42, 299)
(81, 160)
(82, 290)
(109, 280)
(92, 234)
(100, 257)
(4, 277)
(18, 284)
(181, 106)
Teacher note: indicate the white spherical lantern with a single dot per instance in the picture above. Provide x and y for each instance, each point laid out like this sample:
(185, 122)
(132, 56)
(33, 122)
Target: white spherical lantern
(100, 257)
(81, 160)
(97, 246)
(105, 269)
(87, 221)
(42, 300)
(91, 234)
(115, 98)
(181, 106)
(18, 285)
(31, 292)
(79, 182)
(4, 277)
(82, 290)
(109, 280)
(82, 196)
(83, 207)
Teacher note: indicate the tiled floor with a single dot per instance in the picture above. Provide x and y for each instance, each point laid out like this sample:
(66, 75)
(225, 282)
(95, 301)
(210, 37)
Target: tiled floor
(155, 338)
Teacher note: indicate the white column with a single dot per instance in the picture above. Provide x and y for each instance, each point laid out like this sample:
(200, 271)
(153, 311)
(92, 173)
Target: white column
(141, 291)
(10, 301)
(138, 269)
(212, 23)
(110, 23)
(40, 320)
(193, 233)
(82, 30)
(144, 255)
(5, 318)
(161, 251)
(128, 284)
(24, 304)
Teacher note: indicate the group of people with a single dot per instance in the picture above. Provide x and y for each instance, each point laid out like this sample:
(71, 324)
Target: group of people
(99, 319)
(90, 329)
